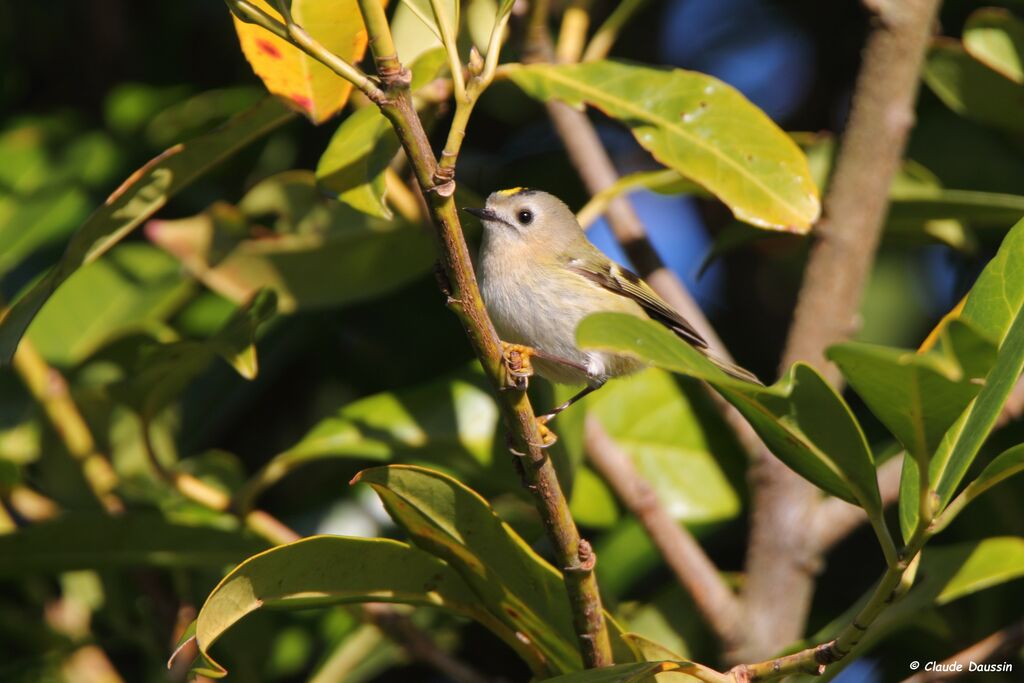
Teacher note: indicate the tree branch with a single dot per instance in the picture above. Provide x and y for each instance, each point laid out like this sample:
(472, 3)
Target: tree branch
(781, 558)
(573, 553)
(694, 570)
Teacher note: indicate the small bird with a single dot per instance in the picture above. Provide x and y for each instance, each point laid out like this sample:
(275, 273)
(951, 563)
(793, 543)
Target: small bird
(540, 276)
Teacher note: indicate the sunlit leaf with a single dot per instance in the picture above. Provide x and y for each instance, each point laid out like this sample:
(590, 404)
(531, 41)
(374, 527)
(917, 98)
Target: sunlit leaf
(40, 218)
(698, 126)
(331, 570)
(518, 587)
(916, 395)
(995, 308)
(651, 419)
(976, 567)
(322, 254)
(142, 195)
(801, 418)
(311, 87)
(86, 540)
(134, 288)
(995, 37)
(1004, 466)
(452, 422)
(973, 90)
(352, 167)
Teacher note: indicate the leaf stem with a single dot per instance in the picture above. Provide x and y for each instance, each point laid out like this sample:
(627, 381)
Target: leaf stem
(606, 35)
(572, 36)
(452, 50)
(464, 105)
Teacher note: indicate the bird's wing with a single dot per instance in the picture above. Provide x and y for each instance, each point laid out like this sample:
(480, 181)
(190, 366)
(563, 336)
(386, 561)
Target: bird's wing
(617, 279)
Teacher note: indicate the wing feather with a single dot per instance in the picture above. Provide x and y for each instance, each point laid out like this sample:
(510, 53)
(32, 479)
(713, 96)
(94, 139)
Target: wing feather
(621, 281)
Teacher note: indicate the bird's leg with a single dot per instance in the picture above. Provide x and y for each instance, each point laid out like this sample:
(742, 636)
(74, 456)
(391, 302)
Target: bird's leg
(519, 368)
(547, 417)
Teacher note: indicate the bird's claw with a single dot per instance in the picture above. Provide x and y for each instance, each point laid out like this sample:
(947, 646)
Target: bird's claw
(518, 367)
(547, 437)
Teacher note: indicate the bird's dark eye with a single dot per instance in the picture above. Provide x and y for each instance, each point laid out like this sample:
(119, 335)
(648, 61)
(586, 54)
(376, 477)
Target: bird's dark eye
(525, 216)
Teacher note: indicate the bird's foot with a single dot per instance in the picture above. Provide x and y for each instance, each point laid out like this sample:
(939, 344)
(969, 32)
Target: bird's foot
(518, 367)
(547, 437)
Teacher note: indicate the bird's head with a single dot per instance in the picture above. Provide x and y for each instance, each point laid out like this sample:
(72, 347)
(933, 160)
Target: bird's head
(521, 214)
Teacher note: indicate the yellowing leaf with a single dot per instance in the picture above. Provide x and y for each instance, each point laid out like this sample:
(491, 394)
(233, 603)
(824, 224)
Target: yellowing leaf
(307, 84)
(696, 125)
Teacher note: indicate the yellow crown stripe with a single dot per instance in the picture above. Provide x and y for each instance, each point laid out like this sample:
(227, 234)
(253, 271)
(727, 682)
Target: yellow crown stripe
(511, 191)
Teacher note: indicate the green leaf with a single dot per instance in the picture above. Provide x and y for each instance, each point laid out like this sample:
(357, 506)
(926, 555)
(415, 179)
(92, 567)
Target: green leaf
(352, 167)
(910, 497)
(134, 289)
(414, 29)
(322, 254)
(163, 371)
(971, 89)
(698, 126)
(518, 587)
(650, 417)
(638, 672)
(917, 396)
(650, 650)
(86, 540)
(976, 567)
(31, 221)
(236, 341)
(142, 195)
(1004, 466)
(995, 308)
(451, 422)
(802, 419)
(995, 37)
(331, 570)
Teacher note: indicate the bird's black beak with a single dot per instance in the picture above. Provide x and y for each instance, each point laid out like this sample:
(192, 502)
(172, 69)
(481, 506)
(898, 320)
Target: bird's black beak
(482, 214)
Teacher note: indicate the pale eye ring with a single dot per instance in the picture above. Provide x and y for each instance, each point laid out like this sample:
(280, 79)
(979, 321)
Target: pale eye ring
(524, 216)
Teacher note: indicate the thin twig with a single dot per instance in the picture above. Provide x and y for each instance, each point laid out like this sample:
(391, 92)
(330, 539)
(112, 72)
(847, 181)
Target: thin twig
(683, 554)
(572, 36)
(448, 40)
(781, 559)
(605, 36)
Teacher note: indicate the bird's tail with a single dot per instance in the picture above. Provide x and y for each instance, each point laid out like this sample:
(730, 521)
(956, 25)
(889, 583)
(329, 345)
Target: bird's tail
(734, 370)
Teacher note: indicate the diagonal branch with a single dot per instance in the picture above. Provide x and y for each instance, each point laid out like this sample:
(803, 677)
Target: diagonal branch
(683, 554)
(573, 553)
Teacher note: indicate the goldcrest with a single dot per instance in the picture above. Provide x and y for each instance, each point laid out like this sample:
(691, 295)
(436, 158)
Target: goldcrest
(540, 276)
